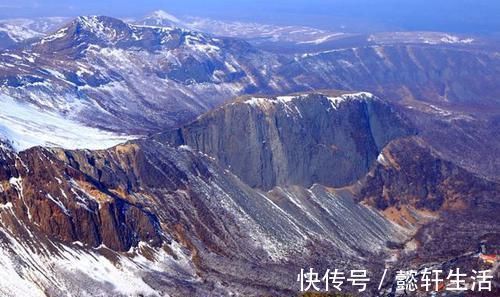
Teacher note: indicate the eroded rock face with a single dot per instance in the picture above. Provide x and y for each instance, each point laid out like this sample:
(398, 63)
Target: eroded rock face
(409, 173)
(301, 140)
(68, 205)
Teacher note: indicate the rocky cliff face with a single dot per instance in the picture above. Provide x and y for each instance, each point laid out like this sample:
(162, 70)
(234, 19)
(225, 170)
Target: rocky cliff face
(63, 203)
(295, 140)
(409, 173)
(413, 183)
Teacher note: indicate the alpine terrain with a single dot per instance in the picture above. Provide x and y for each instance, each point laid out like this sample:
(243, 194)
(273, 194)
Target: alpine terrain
(169, 156)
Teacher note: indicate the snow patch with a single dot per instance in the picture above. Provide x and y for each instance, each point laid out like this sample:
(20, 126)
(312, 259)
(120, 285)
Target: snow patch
(25, 126)
(336, 101)
(322, 39)
(59, 204)
(381, 159)
(165, 16)
(290, 101)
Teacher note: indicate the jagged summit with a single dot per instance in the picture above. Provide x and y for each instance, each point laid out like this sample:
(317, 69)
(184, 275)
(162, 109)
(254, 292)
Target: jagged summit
(101, 24)
(85, 31)
(100, 30)
(105, 31)
(97, 32)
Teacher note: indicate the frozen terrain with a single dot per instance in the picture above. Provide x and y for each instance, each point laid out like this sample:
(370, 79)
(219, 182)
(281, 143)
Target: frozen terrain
(25, 126)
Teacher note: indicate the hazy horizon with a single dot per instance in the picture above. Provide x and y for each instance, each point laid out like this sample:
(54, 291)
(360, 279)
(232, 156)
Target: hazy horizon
(463, 16)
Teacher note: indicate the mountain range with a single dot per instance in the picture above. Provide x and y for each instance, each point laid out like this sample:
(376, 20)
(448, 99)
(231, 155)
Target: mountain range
(88, 69)
(150, 158)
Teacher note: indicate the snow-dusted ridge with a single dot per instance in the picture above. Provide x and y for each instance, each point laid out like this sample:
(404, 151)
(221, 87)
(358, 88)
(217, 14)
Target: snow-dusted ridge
(334, 100)
(246, 30)
(104, 31)
(107, 75)
(423, 37)
(23, 29)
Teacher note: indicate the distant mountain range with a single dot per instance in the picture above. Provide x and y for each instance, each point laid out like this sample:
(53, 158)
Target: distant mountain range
(13, 31)
(138, 79)
(293, 38)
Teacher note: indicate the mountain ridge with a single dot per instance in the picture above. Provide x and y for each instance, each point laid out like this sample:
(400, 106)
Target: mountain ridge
(191, 73)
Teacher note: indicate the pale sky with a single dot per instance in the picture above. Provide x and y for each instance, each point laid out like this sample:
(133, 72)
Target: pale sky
(437, 15)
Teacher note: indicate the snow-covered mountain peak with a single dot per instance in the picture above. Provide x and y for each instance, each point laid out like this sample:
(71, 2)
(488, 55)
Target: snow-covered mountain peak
(89, 29)
(102, 31)
(106, 28)
(95, 67)
(96, 23)
(163, 15)
(161, 18)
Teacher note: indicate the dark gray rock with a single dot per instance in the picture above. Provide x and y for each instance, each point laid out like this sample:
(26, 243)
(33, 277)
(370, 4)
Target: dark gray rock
(295, 141)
